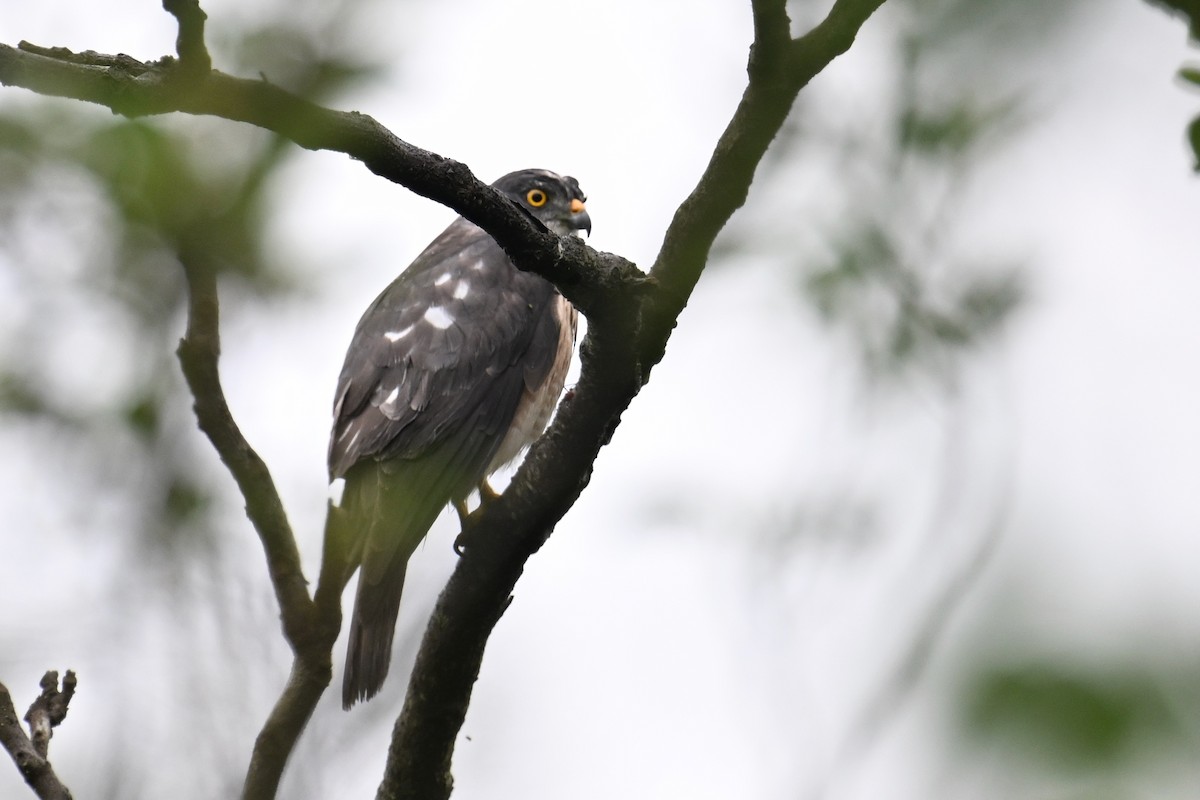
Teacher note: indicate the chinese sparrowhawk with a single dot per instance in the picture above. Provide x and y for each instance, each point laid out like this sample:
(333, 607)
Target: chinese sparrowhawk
(453, 370)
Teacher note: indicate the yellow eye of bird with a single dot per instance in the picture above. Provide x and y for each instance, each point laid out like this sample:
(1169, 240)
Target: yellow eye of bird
(536, 198)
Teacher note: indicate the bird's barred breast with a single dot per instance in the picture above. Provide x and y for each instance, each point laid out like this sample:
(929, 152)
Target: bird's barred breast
(535, 408)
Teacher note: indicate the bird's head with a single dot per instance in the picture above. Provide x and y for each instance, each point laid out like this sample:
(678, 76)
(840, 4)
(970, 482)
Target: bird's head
(554, 199)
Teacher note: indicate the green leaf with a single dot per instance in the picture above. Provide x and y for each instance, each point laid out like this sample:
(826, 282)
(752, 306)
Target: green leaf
(1194, 139)
(1068, 720)
(1190, 74)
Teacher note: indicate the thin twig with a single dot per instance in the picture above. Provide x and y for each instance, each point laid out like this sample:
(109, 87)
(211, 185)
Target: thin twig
(310, 631)
(198, 353)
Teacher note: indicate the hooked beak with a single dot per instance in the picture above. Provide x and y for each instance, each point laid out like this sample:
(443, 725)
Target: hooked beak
(579, 217)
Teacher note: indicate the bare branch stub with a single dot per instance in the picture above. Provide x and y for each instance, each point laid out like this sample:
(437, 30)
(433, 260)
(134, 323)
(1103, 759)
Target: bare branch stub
(49, 709)
(772, 33)
(189, 44)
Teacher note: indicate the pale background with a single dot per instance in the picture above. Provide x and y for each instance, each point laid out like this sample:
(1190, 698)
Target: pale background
(770, 530)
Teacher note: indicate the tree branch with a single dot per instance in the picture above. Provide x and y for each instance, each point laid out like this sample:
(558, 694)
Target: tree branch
(501, 537)
(630, 320)
(779, 67)
(771, 33)
(601, 285)
(593, 281)
(616, 354)
(199, 352)
(30, 755)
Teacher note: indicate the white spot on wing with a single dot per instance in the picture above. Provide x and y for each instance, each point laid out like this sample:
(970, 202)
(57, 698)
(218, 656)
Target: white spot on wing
(353, 438)
(461, 290)
(439, 318)
(445, 276)
(480, 266)
(395, 336)
(388, 406)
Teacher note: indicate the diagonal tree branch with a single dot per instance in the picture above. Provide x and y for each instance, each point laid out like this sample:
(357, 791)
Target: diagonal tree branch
(779, 67)
(500, 538)
(31, 754)
(593, 281)
(199, 352)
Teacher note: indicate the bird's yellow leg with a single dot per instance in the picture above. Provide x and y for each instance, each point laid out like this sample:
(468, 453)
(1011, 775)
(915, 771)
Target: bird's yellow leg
(463, 512)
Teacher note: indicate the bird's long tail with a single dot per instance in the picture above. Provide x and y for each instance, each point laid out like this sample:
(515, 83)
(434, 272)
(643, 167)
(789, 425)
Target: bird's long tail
(372, 628)
(393, 511)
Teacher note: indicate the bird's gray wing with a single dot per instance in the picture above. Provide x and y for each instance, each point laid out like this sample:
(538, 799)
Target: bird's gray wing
(445, 349)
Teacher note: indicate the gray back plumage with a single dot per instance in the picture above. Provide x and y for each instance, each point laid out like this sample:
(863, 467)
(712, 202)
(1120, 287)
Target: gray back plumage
(415, 372)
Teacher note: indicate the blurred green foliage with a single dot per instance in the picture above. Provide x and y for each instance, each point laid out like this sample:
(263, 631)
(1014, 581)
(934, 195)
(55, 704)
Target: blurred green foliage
(1189, 11)
(95, 214)
(122, 200)
(867, 209)
(1191, 75)
(899, 318)
(893, 277)
(868, 212)
(1065, 720)
(1117, 729)
(137, 194)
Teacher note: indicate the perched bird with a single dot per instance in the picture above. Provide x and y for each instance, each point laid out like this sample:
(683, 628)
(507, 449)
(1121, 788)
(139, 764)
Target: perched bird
(453, 370)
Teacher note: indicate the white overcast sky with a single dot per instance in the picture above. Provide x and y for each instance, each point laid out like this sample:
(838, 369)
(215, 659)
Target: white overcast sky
(649, 654)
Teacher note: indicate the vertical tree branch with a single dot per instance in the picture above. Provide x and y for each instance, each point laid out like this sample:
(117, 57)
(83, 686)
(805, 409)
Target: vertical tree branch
(310, 631)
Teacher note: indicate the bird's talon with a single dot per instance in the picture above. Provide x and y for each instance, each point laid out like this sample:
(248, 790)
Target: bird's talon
(486, 493)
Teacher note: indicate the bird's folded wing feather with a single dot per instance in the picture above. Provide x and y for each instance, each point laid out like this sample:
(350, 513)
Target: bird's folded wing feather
(441, 358)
